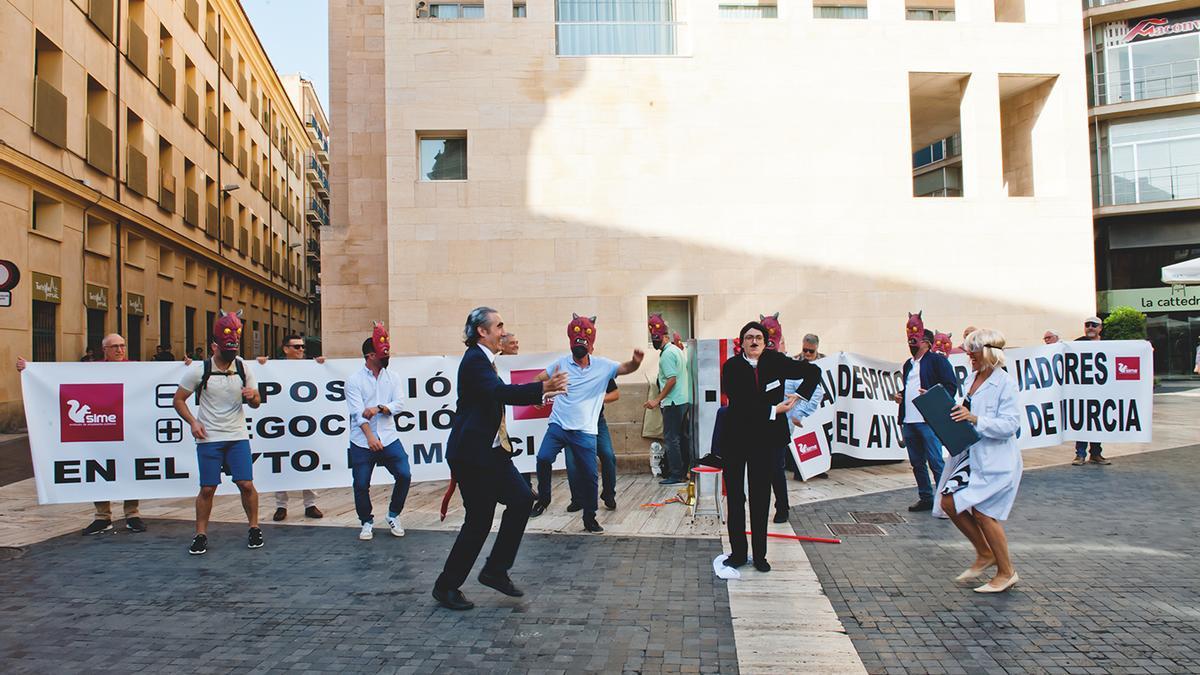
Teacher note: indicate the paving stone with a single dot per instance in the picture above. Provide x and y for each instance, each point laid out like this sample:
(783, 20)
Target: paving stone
(316, 599)
(1109, 576)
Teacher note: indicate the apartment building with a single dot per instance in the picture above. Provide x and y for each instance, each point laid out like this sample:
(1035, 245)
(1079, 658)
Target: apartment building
(316, 184)
(1143, 61)
(151, 172)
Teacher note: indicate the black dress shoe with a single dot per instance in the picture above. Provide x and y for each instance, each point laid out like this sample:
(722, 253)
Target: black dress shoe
(734, 562)
(538, 509)
(923, 505)
(573, 507)
(452, 599)
(712, 460)
(280, 514)
(762, 565)
(592, 526)
(610, 503)
(500, 582)
(781, 516)
(313, 512)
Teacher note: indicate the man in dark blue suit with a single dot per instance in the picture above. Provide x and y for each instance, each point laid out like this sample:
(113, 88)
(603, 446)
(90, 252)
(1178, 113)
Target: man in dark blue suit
(480, 457)
(925, 369)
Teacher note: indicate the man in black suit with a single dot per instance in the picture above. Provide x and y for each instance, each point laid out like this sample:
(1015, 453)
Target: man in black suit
(480, 457)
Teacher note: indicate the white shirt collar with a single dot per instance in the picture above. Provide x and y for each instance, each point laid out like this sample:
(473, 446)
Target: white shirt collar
(491, 357)
(753, 362)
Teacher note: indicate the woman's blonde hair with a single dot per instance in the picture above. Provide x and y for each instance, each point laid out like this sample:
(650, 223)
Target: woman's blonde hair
(988, 341)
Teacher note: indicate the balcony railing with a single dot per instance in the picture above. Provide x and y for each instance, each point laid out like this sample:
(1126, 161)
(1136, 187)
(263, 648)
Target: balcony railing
(1147, 185)
(1087, 4)
(318, 175)
(316, 214)
(315, 129)
(618, 38)
(1143, 82)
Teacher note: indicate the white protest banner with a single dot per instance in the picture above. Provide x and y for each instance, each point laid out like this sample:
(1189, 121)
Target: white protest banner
(1069, 391)
(102, 431)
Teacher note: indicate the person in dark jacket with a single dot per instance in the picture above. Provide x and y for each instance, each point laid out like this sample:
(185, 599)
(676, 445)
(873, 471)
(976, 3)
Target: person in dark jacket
(925, 369)
(754, 427)
(479, 453)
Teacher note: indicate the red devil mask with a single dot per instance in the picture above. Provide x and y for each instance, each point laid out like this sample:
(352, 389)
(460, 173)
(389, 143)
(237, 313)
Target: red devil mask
(942, 343)
(914, 330)
(227, 330)
(658, 328)
(774, 331)
(380, 341)
(581, 332)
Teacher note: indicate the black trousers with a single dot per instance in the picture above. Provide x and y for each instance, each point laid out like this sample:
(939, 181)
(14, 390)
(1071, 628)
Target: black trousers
(779, 478)
(483, 486)
(760, 464)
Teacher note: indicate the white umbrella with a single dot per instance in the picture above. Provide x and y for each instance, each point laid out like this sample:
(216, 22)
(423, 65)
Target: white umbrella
(1186, 272)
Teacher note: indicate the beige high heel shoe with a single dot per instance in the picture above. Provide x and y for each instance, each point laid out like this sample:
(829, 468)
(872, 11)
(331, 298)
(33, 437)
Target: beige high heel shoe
(971, 573)
(990, 588)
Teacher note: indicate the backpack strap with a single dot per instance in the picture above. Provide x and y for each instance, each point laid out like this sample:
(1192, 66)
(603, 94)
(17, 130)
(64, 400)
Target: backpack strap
(241, 369)
(204, 378)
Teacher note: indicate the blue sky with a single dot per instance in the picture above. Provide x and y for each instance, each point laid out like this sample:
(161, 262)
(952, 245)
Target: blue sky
(295, 34)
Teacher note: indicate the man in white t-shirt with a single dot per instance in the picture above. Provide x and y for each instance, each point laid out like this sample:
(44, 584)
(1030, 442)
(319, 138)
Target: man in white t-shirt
(221, 384)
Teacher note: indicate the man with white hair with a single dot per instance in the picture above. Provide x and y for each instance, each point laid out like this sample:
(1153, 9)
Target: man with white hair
(114, 350)
(1051, 337)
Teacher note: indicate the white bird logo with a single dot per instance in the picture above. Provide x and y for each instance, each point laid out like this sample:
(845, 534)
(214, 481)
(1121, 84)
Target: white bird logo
(78, 413)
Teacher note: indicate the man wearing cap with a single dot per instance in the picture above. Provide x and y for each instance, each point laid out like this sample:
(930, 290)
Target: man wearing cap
(221, 385)
(922, 372)
(1092, 327)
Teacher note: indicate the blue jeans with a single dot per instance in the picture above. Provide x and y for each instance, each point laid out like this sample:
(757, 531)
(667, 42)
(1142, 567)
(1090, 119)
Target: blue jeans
(673, 439)
(581, 448)
(608, 462)
(362, 464)
(923, 449)
(1083, 447)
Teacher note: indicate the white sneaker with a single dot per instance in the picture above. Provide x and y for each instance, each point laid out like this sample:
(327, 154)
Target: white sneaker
(367, 533)
(397, 528)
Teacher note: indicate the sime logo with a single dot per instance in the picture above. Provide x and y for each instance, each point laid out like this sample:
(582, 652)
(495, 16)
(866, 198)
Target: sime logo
(91, 412)
(1129, 367)
(807, 446)
(529, 412)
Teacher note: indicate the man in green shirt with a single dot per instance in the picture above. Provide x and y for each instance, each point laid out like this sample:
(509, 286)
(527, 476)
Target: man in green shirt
(674, 398)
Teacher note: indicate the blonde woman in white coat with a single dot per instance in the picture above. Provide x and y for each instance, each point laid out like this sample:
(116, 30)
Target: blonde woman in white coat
(978, 486)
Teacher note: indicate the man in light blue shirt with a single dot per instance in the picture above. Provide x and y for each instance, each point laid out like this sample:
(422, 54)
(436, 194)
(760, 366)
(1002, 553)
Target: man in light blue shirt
(574, 418)
(373, 401)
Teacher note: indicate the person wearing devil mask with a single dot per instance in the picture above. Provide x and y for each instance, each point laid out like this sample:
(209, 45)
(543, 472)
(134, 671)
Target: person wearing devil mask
(925, 369)
(372, 401)
(222, 384)
(674, 399)
(575, 417)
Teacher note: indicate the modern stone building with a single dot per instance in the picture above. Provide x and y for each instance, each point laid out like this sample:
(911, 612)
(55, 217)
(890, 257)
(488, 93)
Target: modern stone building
(152, 171)
(713, 160)
(1144, 110)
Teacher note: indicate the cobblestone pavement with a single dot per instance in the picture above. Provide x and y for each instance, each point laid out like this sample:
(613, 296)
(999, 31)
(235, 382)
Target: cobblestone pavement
(1110, 578)
(317, 599)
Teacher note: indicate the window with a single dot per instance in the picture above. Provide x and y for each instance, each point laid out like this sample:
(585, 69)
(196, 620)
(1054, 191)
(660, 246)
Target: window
(443, 157)
(189, 330)
(191, 272)
(1010, 11)
(98, 236)
(135, 251)
(930, 14)
(678, 312)
(519, 10)
(749, 11)
(456, 11)
(166, 262)
(616, 27)
(844, 10)
(1150, 159)
(934, 110)
(45, 331)
(49, 101)
(46, 216)
(99, 131)
(1022, 98)
(133, 338)
(1149, 69)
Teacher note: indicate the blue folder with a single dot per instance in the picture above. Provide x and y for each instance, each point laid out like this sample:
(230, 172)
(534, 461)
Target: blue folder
(935, 405)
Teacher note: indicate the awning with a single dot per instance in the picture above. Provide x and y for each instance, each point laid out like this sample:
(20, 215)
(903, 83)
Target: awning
(1186, 272)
